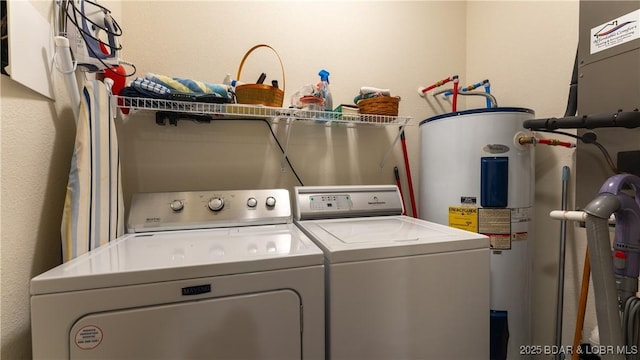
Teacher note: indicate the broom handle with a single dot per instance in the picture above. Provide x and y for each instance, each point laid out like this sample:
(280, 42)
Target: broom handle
(582, 306)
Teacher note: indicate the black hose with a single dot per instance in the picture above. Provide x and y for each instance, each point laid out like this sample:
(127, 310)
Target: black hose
(623, 119)
(572, 101)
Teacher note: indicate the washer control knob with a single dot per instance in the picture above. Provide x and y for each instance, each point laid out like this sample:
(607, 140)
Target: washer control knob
(252, 202)
(176, 205)
(271, 201)
(216, 203)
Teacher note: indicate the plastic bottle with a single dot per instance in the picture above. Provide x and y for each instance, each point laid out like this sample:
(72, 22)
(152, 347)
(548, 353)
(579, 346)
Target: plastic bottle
(326, 92)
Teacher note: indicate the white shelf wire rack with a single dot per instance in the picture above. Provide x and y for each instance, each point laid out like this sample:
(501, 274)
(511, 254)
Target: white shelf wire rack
(290, 116)
(256, 111)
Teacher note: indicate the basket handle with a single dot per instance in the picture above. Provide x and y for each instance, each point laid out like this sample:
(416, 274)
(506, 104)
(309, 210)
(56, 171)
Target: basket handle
(244, 58)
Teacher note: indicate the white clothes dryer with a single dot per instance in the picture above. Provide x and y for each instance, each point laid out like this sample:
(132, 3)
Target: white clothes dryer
(209, 274)
(396, 287)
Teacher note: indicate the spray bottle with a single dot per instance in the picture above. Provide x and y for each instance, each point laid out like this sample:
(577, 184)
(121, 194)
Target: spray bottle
(324, 90)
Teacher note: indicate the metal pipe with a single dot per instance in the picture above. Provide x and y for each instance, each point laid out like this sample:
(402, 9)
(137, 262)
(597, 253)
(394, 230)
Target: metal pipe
(437, 84)
(561, 264)
(62, 17)
(490, 98)
(487, 90)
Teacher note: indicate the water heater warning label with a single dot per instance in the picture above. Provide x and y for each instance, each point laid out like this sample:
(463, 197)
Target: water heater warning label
(499, 241)
(88, 337)
(463, 218)
(496, 223)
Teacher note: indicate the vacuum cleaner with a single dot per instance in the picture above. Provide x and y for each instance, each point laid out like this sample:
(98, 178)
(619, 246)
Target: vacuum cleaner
(615, 274)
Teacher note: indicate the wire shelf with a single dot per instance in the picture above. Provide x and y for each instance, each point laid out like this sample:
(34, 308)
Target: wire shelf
(255, 111)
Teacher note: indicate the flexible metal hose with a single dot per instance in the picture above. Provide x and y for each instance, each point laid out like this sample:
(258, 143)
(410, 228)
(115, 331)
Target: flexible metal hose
(630, 322)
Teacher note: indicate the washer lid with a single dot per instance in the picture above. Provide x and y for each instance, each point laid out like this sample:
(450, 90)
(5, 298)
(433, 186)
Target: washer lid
(356, 239)
(175, 255)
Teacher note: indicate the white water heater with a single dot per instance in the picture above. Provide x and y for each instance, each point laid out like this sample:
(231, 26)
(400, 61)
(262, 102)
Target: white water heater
(476, 176)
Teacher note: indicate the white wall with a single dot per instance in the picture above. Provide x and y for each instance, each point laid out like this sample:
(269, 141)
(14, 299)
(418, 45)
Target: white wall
(525, 48)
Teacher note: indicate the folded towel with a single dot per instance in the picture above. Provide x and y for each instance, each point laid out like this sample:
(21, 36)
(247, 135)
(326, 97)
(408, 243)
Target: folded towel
(149, 87)
(190, 86)
(222, 90)
(167, 82)
(365, 96)
(373, 90)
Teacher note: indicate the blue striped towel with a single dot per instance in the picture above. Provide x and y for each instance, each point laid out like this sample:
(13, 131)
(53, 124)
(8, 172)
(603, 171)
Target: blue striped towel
(189, 86)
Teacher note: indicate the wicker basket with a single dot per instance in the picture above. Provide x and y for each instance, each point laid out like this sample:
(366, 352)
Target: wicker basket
(379, 105)
(260, 94)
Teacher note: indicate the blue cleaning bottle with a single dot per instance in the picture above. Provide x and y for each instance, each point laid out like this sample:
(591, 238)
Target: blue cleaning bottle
(326, 92)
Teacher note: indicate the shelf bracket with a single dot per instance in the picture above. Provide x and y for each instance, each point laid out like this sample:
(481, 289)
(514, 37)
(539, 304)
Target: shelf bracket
(162, 117)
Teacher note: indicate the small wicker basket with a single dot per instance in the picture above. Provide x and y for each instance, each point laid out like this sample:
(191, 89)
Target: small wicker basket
(260, 94)
(379, 105)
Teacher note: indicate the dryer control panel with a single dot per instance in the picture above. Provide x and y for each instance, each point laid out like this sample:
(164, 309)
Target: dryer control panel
(331, 202)
(208, 209)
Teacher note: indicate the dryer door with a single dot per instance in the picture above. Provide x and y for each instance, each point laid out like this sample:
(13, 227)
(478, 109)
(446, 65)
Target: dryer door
(253, 326)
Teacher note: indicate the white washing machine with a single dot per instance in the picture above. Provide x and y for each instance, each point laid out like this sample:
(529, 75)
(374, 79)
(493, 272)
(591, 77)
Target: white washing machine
(396, 287)
(212, 274)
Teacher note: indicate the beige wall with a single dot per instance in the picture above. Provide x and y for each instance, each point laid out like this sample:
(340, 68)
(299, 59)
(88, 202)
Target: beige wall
(382, 44)
(525, 48)
(37, 142)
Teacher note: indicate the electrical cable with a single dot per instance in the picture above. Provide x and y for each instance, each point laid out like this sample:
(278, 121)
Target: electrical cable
(396, 173)
(273, 134)
(74, 21)
(93, 53)
(207, 119)
(590, 139)
(116, 32)
(107, 12)
(561, 265)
